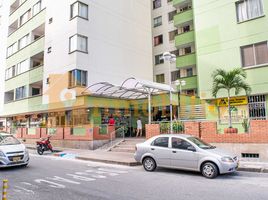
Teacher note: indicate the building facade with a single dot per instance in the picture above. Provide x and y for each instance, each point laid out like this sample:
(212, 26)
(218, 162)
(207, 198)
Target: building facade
(55, 50)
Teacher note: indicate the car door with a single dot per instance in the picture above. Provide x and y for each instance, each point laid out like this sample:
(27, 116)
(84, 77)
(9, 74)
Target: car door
(160, 150)
(181, 157)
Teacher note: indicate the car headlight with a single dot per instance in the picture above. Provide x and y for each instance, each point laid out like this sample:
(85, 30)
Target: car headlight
(2, 154)
(227, 159)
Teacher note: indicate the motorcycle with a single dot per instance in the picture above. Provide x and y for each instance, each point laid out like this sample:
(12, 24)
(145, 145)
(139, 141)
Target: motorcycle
(44, 145)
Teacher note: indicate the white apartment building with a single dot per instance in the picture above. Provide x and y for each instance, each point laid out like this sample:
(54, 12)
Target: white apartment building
(65, 46)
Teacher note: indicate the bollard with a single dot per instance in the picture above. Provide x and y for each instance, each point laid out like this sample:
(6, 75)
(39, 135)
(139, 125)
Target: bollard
(4, 196)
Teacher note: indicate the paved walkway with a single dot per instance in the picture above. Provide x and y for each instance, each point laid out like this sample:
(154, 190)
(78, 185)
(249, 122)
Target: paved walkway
(127, 158)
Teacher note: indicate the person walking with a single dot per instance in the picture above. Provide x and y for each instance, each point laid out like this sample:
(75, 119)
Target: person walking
(139, 128)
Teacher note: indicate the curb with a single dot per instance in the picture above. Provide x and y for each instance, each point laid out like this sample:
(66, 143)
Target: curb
(251, 169)
(109, 161)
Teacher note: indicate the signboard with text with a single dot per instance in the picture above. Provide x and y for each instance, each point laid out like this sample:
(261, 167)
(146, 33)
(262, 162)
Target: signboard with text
(234, 101)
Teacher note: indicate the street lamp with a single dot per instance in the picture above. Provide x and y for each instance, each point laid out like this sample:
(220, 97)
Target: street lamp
(179, 83)
(170, 58)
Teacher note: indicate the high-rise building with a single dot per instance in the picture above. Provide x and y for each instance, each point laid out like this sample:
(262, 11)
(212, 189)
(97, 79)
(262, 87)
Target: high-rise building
(55, 49)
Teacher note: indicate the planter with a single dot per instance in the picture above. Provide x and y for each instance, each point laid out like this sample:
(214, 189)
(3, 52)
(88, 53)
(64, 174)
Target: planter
(230, 130)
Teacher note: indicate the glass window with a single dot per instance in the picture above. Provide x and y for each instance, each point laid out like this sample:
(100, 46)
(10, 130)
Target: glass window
(160, 142)
(23, 66)
(160, 78)
(171, 15)
(78, 43)
(158, 21)
(255, 54)
(23, 42)
(11, 49)
(178, 143)
(156, 4)
(36, 8)
(158, 40)
(8, 140)
(25, 17)
(249, 9)
(175, 75)
(189, 72)
(10, 72)
(200, 143)
(77, 78)
(20, 92)
(172, 35)
(158, 59)
(79, 9)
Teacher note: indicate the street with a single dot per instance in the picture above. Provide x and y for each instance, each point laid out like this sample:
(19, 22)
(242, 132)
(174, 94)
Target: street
(55, 178)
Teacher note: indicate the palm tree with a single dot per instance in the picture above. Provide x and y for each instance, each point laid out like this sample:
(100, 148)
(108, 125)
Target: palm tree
(228, 80)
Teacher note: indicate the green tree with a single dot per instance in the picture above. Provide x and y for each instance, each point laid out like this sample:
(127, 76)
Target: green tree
(228, 80)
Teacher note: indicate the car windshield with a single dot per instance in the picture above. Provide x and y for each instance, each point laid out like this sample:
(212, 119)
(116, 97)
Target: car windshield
(8, 140)
(201, 144)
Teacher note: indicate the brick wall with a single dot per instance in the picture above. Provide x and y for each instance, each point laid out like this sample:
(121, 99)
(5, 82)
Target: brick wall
(152, 130)
(192, 128)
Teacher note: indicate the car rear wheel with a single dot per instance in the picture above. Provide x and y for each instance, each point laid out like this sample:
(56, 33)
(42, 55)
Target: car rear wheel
(210, 170)
(149, 164)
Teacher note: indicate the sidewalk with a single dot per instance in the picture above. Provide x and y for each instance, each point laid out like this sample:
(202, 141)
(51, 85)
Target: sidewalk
(128, 159)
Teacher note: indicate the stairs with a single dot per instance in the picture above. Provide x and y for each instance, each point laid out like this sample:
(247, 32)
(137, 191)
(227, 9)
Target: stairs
(127, 146)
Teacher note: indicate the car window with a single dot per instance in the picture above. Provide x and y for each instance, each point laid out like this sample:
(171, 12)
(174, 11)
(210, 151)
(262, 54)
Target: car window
(178, 143)
(8, 140)
(160, 142)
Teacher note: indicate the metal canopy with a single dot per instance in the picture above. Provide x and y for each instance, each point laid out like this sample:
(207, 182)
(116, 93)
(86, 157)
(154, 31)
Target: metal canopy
(131, 88)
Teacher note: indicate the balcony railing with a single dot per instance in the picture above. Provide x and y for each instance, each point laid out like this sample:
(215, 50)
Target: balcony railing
(191, 82)
(186, 60)
(183, 17)
(184, 38)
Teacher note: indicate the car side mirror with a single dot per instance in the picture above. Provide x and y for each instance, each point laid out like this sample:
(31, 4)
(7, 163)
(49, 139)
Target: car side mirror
(191, 148)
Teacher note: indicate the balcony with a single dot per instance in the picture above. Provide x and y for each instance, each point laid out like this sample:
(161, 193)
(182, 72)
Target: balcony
(32, 49)
(178, 3)
(25, 78)
(26, 28)
(183, 17)
(186, 60)
(31, 104)
(191, 82)
(184, 38)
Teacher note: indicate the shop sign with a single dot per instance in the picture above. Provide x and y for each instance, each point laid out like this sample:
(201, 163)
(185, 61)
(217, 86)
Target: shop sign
(234, 101)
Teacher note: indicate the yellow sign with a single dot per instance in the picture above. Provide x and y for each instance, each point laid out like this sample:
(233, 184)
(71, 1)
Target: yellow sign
(234, 101)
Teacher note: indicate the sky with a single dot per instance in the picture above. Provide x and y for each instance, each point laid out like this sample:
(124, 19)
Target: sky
(3, 37)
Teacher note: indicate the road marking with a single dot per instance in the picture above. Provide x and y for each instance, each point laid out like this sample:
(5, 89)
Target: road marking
(24, 189)
(57, 178)
(82, 178)
(112, 170)
(88, 174)
(50, 183)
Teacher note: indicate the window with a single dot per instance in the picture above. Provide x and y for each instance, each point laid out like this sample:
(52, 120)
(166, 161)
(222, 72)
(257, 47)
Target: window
(36, 91)
(168, 1)
(249, 9)
(189, 72)
(25, 17)
(186, 29)
(79, 9)
(156, 4)
(77, 78)
(171, 15)
(160, 78)
(20, 92)
(257, 107)
(23, 66)
(10, 72)
(37, 8)
(78, 43)
(11, 49)
(178, 143)
(172, 35)
(176, 52)
(187, 50)
(160, 142)
(255, 54)
(158, 40)
(158, 59)
(23, 42)
(175, 75)
(158, 21)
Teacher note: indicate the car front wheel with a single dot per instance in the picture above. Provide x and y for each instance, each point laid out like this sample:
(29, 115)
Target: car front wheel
(210, 170)
(149, 164)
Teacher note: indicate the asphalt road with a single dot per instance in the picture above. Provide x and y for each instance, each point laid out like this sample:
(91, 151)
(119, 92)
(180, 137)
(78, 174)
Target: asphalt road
(61, 179)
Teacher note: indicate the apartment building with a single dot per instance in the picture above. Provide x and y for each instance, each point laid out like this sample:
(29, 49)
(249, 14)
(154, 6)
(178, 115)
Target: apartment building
(55, 49)
(172, 25)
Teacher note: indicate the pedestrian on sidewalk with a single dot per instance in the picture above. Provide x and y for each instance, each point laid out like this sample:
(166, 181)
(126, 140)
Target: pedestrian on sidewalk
(139, 128)
(111, 121)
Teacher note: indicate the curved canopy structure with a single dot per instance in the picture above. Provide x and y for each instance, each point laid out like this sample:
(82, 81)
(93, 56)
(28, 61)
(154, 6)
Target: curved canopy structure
(131, 88)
